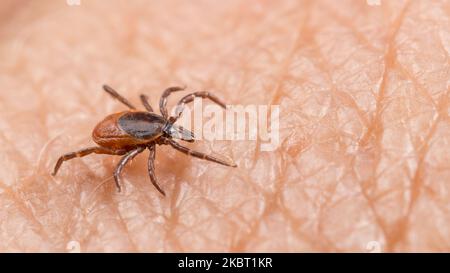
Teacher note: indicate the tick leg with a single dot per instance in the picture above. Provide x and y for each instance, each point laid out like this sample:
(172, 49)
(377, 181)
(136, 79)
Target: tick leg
(130, 155)
(189, 98)
(151, 169)
(194, 153)
(144, 100)
(164, 96)
(84, 152)
(117, 96)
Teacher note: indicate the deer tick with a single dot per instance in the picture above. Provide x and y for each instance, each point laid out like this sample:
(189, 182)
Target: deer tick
(130, 132)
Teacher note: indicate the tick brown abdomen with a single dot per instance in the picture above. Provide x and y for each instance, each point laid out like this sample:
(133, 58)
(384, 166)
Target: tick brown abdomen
(108, 133)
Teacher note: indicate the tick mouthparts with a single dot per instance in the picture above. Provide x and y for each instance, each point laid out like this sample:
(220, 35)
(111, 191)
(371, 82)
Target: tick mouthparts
(179, 132)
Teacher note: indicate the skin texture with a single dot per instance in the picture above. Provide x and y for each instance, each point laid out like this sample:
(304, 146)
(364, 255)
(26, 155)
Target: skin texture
(363, 161)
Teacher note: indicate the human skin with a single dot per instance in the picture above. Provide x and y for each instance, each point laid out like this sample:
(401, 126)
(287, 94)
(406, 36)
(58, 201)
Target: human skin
(363, 162)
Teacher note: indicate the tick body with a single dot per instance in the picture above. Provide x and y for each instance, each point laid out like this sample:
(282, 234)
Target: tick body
(127, 129)
(130, 132)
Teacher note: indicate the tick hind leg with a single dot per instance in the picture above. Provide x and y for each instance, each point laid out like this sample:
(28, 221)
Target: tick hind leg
(151, 169)
(144, 100)
(164, 96)
(84, 152)
(129, 156)
(117, 96)
(190, 97)
(194, 153)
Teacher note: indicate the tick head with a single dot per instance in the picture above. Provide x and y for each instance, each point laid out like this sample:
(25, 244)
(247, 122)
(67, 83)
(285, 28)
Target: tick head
(179, 132)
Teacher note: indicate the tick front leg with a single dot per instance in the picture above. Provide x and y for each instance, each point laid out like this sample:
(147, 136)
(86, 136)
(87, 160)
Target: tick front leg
(189, 98)
(117, 96)
(151, 169)
(84, 152)
(144, 100)
(164, 96)
(193, 153)
(129, 156)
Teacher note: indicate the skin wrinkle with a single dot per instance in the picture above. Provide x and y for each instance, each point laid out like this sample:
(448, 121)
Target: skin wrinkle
(417, 179)
(376, 129)
(363, 126)
(276, 96)
(172, 219)
(320, 64)
(28, 212)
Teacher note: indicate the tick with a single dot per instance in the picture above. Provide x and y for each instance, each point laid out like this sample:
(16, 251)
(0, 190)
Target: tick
(130, 132)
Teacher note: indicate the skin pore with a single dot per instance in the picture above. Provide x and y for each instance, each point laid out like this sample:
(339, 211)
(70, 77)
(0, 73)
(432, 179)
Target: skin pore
(363, 159)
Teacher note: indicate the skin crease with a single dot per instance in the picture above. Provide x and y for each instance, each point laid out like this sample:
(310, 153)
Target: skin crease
(363, 161)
